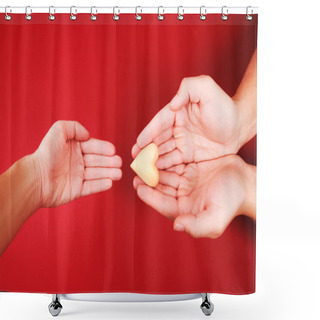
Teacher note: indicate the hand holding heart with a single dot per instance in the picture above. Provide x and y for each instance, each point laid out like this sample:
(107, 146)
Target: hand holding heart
(202, 184)
(202, 198)
(200, 123)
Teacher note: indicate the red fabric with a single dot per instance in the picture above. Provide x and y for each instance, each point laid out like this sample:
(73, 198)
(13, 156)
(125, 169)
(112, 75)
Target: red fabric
(113, 77)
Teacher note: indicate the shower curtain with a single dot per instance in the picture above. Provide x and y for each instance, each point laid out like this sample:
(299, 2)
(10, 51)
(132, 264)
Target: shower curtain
(113, 78)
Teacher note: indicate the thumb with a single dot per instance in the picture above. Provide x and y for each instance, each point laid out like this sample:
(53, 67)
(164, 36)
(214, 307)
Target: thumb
(73, 130)
(203, 225)
(191, 90)
(182, 96)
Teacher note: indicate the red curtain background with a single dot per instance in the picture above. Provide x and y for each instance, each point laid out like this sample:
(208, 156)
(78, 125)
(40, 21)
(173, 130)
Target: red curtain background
(113, 77)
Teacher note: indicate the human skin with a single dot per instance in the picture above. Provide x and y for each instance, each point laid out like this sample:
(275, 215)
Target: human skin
(202, 122)
(203, 198)
(67, 165)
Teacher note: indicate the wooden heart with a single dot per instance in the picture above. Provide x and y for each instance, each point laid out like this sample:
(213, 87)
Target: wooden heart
(144, 165)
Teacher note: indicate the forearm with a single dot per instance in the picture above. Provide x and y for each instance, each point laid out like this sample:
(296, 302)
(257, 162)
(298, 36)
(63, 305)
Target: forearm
(246, 103)
(19, 198)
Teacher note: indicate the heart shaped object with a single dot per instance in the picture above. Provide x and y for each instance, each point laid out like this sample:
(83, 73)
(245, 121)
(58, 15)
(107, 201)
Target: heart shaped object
(144, 165)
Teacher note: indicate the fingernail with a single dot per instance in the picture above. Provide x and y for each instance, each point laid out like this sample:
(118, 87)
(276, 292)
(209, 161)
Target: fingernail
(178, 227)
(174, 101)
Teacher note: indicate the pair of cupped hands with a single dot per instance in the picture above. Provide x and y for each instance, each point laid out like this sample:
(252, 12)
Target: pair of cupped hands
(203, 184)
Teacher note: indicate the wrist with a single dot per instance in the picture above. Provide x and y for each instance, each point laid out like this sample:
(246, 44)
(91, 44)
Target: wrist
(33, 171)
(248, 206)
(24, 181)
(246, 124)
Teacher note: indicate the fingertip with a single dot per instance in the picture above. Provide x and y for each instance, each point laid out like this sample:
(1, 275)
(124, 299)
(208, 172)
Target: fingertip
(137, 182)
(159, 164)
(108, 184)
(118, 174)
(112, 149)
(173, 104)
(141, 143)
(186, 223)
(141, 191)
(132, 150)
(81, 132)
(119, 161)
(134, 183)
(135, 150)
(178, 227)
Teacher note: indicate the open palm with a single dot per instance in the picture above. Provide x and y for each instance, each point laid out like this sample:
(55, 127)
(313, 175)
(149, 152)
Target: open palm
(199, 124)
(71, 165)
(202, 197)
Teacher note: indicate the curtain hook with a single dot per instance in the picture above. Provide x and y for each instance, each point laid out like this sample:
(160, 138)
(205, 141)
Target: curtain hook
(28, 14)
(73, 15)
(224, 13)
(203, 13)
(138, 16)
(116, 16)
(7, 17)
(51, 13)
(160, 16)
(92, 16)
(180, 14)
(248, 16)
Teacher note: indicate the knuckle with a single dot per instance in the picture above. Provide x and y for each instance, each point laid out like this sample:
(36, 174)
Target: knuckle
(58, 124)
(184, 82)
(217, 230)
(207, 80)
(196, 234)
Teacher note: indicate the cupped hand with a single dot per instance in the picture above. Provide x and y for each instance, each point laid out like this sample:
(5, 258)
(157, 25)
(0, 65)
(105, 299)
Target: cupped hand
(200, 123)
(70, 164)
(203, 198)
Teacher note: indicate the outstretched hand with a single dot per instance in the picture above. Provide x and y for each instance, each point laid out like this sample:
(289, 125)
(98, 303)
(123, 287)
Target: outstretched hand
(200, 123)
(70, 164)
(203, 198)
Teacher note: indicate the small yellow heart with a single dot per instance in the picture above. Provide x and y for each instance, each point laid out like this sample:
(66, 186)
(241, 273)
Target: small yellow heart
(144, 165)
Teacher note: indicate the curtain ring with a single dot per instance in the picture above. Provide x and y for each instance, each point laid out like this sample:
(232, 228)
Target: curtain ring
(7, 17)
(180, 14)
(51, 11)
(116, 16)
(73, 15)
(203, 13)
(248, 16)
(224, 13)
(92, 16)
(138, 16)
(28, 15)
(160, 16)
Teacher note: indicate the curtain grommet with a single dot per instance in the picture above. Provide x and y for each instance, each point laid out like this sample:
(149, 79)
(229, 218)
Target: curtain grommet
(224, 13)
(28, 13)
(116, 16)
(93, 17)
(160, 16)
(7, 16)
(73, 14)
(51, 13)
(138, 16)
(248, 16)
(203, 13)
(180, 13)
